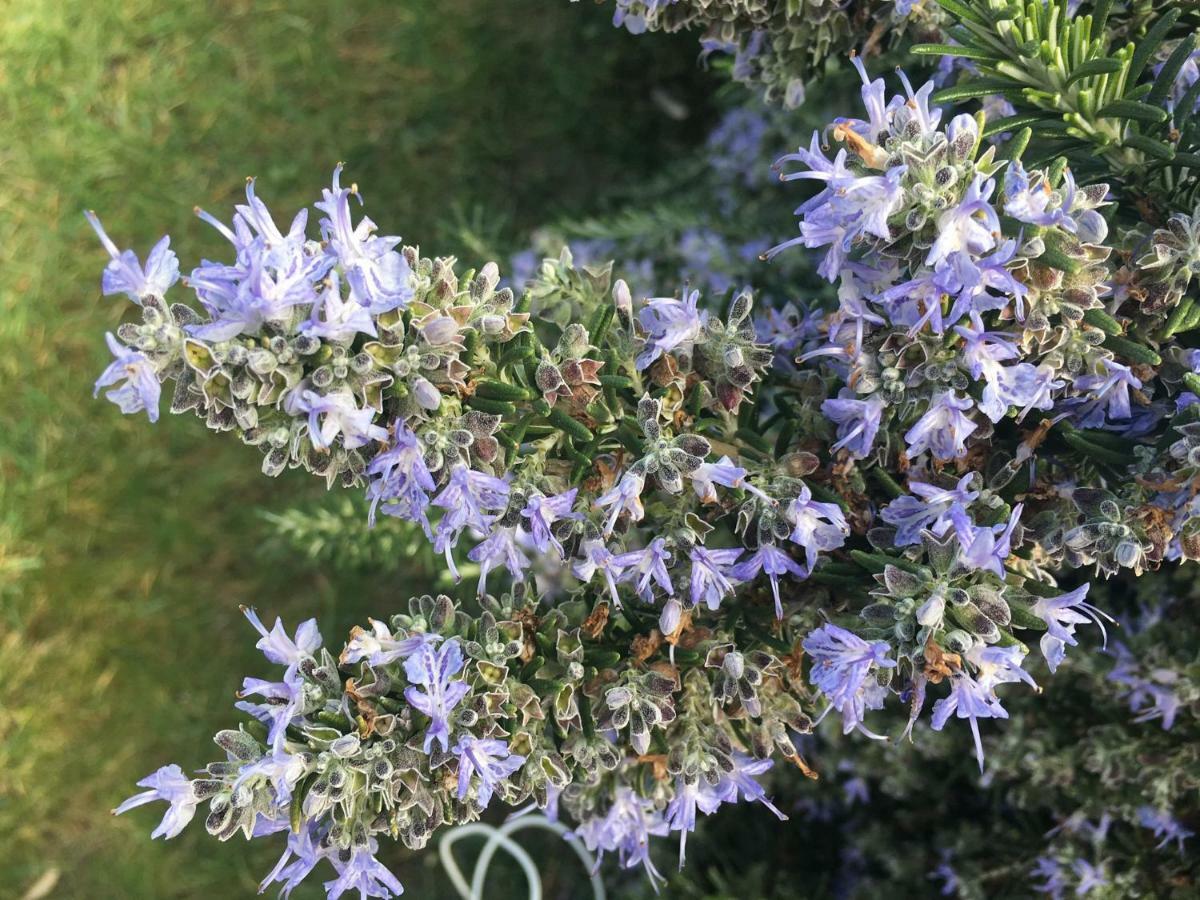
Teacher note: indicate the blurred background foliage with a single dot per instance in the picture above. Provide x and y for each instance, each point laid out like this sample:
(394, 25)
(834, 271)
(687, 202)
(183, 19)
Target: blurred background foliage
(125, 551)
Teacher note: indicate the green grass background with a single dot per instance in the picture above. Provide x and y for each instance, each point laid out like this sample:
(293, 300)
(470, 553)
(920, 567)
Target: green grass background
(126, 549)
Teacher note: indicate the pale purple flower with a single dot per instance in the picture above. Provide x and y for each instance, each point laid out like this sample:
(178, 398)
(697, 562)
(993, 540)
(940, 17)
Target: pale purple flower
(917, 303)
(1166, 827)
(870, 200)
(273, 273)
(598, 558)
(379, 646)
(849, 208)
(363, 873)
(170, 785)
(932, 508)
(707, 475)
(379, 277)
(470, 499)
(669, 323)
(434, 670)
(499, 549)
(851, 322)
(400, 479)
(542, 512)
(1108, 395)
(739, 783)
(625, 828)
(818, 167)
(774, 562)
(681, 812)
(859, 206)
(943, 429)
(647, 567)
(1051, 872)
(843, 667)
(985, 547)
(1152, 695)
(242, 299)
(816, 526)
(141, 390)
(254, 228)
(970, 227)
(1022, 385)
(1153, 699)
(489, 760)
(283, 702)
(857, 422)
(945, 873)
(1089, 877)
(333, 414)
(125, 275)
(299, 858)
(285, 699)
(971, 282)
(710, 583)
(625, 496)
(786, 328)
(915, 109)
(1061, 615)
(823, 227)
(281, 768)
(1033, 200)
(974, 698)
(337, 319)
(280, 649)
(874, 97)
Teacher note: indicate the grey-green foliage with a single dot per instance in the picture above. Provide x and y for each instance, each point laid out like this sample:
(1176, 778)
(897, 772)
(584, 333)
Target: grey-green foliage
(1071, 777)
(779, 46)
(1096, 82)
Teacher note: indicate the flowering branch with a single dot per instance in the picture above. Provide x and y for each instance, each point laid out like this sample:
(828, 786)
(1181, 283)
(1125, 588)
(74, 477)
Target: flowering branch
(987, 407)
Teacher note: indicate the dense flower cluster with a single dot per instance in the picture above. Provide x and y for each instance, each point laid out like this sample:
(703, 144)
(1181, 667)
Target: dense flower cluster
(692, 536)
(1068, 806)
(368, 365)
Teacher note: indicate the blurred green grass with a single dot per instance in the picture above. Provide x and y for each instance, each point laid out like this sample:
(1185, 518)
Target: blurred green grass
(126, 549)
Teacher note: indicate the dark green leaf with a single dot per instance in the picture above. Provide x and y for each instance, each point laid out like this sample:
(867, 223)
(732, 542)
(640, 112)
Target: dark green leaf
(1098, 318)
(1187, 160)
(955, 50)
(1102, 66)
(1133, 109)
(1166, 76)
(1078, 441)
(1132, 350)
(1150, 146)
(975, 87)
(1012, 123)
(1056, 259)
(576, 429)
(1148, 45)
(1015, 146)
(962, 12)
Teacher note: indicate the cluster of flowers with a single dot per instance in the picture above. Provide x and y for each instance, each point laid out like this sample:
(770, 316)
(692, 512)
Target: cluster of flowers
(368, 365)
(1067, 801)
(779, 46)
(653, 489)
(975, 297)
